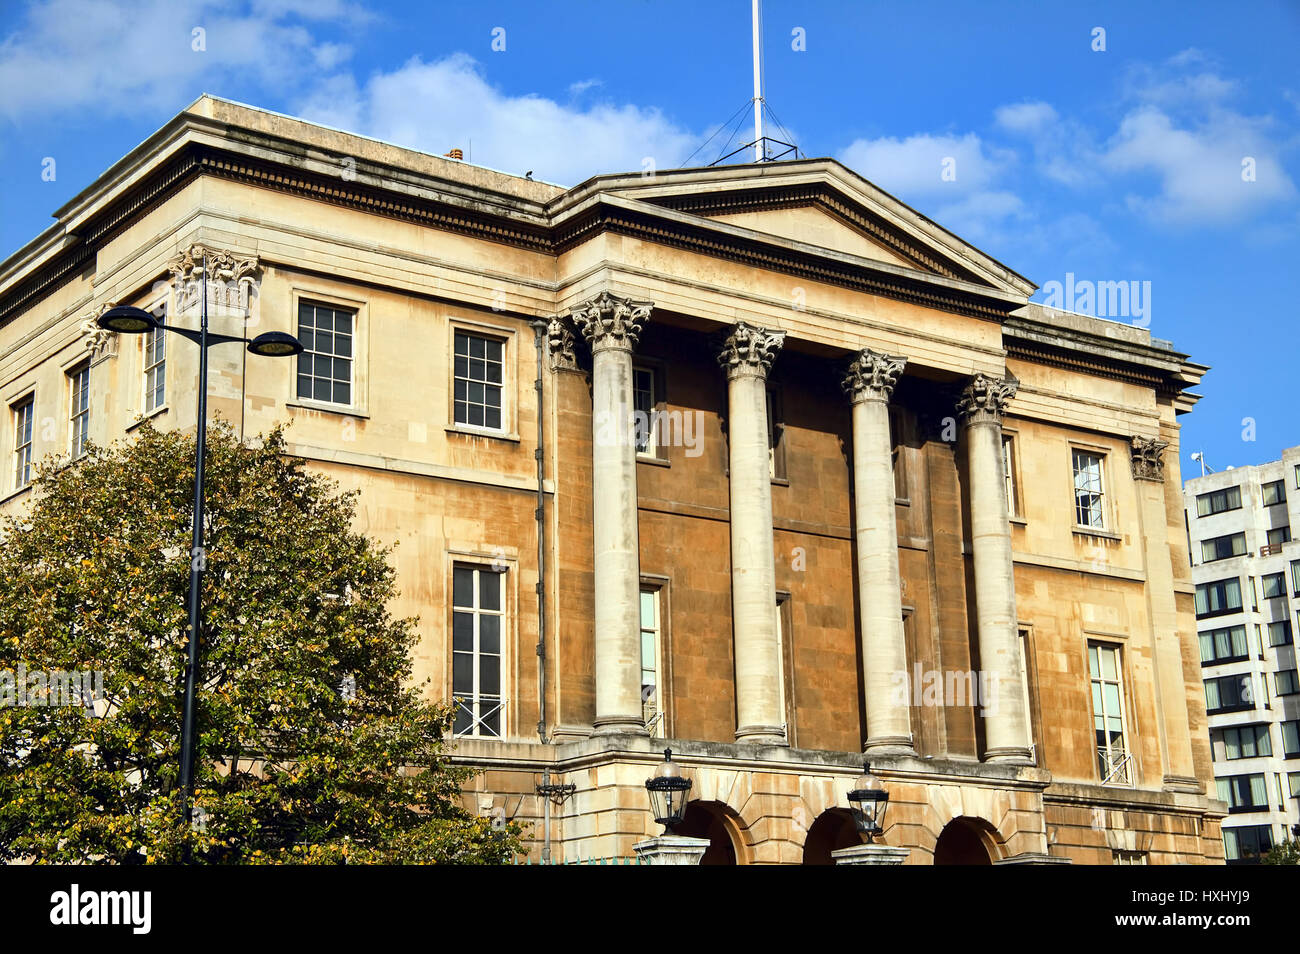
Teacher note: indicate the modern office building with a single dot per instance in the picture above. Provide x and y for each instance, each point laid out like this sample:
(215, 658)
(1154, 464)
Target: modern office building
(1242, 524)
(817, 479)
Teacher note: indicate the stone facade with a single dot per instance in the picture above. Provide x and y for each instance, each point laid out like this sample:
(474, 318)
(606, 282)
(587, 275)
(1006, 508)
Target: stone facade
(814, 549)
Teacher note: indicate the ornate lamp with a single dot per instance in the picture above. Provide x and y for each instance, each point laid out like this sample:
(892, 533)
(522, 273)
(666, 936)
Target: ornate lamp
(127, 320)
(668, 793)
(869, 801)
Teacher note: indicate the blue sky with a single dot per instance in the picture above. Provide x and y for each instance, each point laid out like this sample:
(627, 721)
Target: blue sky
(1170, 157)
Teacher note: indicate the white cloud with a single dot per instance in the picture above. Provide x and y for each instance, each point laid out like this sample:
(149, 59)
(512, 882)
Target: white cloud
(126, 56)
(1177, 153)
(450, 103)
(580, 87)
(1200, 169)
(1025, 117)
(916, 166)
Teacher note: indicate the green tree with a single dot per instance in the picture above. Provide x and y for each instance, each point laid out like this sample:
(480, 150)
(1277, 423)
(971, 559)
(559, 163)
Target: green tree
(313, 745)
(1283, 853)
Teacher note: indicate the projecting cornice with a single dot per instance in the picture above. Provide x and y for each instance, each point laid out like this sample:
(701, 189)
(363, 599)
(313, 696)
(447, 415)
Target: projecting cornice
(226, 141)
(928, 266)
(1104, 348)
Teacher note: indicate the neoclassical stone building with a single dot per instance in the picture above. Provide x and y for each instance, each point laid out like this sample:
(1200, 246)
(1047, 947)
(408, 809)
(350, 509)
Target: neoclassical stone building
(755, 462)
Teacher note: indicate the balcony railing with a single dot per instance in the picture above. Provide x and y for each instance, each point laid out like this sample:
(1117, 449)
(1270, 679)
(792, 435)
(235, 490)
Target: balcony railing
(1116, 766)
(1270, 549)
(486, 723)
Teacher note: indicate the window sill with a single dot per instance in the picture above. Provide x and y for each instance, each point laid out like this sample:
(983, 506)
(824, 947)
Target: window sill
(1018, 521)
(13, 494)
(147, 417)
(652, 460)
(1096, 532)
(780, 481)
(902, 501)
(481, 432)
(344, 410)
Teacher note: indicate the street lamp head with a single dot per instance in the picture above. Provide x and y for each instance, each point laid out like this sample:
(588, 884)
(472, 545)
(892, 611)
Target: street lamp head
(869, 800)
(127, 320)
(668, 793)
(275, 344)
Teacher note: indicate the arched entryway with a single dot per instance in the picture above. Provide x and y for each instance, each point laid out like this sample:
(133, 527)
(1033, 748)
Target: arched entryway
(966, 841)
(833, 829)
(711, 820)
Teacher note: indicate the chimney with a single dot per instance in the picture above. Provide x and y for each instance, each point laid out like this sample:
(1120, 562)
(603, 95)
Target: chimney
(455, 154)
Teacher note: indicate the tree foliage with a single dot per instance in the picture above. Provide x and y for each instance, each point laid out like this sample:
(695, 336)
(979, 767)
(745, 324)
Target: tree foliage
(1283, 853)
(313, 744)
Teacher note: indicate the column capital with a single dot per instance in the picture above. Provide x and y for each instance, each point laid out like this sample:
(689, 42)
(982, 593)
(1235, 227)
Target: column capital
(749, 350)
(871, 375)
(229, 275)
(984, 400)
(560, 344)
(100, 342)
(1148, 458)
(609, 322)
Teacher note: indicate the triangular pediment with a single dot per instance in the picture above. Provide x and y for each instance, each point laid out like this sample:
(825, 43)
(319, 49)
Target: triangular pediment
(821, 203)
(815, 226)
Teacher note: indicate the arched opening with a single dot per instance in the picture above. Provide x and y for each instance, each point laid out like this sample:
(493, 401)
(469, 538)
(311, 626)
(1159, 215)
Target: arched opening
(966, 841)
(833, 830)
(710, 820)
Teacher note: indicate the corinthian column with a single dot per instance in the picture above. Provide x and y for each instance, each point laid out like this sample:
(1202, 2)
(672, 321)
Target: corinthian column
(1006, 724)
(869, 382)
(612, 326)
(746, 356)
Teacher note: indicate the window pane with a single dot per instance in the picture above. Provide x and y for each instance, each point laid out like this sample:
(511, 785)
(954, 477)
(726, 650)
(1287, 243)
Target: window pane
(1231, 744)
(1108, 663)
(489, 634)
(463, 718)
(489, 589)
(462, 672)
(489, 674)
(491, 724)
(462, 632)
(462, 586)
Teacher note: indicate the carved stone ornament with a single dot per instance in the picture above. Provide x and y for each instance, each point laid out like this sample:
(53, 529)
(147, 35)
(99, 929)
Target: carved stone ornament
(749, 350)
(872, 375)
(985, 399)
(608, 321)
(560, 343)
(100, 342)
(1148, 458)
(229, 277)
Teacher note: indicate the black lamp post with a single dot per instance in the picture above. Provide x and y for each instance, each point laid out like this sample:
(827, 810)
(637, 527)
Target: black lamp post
(275, 344)
(869, 800)
(668, 793)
